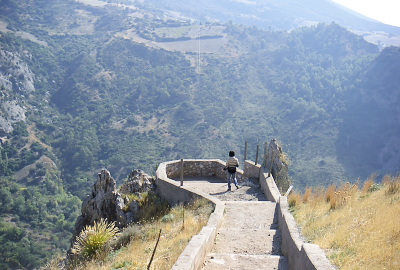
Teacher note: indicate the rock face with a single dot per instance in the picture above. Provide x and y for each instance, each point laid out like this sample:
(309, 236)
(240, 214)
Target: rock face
(10, 113)
(138, 182)
(15, 73)
(107, 203)
(275, 163)
(16, 81)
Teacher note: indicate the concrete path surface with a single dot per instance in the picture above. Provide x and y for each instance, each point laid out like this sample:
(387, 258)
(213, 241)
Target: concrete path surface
(248, 237)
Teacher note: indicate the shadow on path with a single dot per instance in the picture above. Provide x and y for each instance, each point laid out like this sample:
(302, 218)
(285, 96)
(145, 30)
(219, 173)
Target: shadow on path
(219, 193)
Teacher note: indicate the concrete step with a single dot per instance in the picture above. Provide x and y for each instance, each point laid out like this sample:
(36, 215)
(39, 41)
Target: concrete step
(250, 241)
(252, 215)
(225, 261)
(247, 239)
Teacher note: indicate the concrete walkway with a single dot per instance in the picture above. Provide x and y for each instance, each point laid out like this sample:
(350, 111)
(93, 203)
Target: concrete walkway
(248, 237)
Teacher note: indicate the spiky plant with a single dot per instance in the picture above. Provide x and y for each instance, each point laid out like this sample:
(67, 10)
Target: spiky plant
(93, 238)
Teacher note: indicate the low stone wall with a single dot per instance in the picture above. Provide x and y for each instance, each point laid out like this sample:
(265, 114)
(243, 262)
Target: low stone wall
(170, 189)
(200, 167)
(192, 257)
(269, 187)
(252, 170)
(301, 255)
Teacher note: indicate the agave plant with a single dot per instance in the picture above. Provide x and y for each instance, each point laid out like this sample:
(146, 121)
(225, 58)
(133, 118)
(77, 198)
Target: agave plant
(93, 238)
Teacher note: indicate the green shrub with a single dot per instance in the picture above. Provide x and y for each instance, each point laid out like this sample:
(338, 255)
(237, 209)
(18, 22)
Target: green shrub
(94, 238)
(125, 236)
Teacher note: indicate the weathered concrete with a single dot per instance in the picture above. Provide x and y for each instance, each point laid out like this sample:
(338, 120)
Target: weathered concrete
(247, 239)
(251, 170)
(269, 187)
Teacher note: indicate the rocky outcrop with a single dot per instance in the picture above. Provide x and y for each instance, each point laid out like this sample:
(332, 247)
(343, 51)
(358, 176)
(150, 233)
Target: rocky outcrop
(15, 77)
(276, 163)
(105, 202)
(10, 113)
(15, 73)
(138, 182)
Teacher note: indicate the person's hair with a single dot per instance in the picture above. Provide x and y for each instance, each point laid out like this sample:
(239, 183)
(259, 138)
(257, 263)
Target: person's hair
(231, 153)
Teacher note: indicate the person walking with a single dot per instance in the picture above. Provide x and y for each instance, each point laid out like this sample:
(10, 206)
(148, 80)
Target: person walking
(231, 164)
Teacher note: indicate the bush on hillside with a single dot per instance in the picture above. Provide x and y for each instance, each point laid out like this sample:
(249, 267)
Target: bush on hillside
(93, 239)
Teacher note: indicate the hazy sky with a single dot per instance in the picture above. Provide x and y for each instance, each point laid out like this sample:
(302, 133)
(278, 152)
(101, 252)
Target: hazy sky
(386, 11)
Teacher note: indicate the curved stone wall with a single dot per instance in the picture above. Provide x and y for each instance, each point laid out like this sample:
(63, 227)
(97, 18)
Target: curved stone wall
(193, 255)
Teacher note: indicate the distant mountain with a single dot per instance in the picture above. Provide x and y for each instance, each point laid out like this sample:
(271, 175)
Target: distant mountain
(274, 15)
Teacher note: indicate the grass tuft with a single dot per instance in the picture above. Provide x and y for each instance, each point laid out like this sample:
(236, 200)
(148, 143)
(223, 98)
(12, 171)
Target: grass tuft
(294, 199)
(307, 194)
(392, 186)
(330, 193)
(92, 239)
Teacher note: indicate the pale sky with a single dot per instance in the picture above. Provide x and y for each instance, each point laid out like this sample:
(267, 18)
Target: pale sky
(386, 11)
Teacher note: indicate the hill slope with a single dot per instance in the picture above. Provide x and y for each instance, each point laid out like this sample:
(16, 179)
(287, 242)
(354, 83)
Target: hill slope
(349, 221)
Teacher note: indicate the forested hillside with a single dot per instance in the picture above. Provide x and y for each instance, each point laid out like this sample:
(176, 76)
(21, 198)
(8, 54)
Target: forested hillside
(87, 85)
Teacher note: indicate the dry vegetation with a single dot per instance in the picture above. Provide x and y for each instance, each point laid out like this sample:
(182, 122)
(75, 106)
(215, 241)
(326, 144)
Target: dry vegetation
(133, 247)
(358, 226)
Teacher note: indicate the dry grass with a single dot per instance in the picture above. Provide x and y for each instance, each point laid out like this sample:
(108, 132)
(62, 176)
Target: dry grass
(135, 250)
(307, 194)
(358, 228)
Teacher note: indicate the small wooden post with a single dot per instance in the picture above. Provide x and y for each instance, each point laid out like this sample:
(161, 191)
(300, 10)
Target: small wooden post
(181, 171)
(265, 154)
(154, 251)
(270, 165)
(183, 217)
(258, 147)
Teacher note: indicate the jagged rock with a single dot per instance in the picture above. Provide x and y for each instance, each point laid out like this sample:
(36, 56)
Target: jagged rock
(15, 73)
(10, 112)
(5, 126)
(14, 112)
(104, 202)
(138, 181)
(275, 162)
(107, 203)
(15, 76)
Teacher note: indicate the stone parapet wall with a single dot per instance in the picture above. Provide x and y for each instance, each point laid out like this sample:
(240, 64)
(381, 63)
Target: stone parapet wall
(169, 189)
(193, 255)
(200, 167)
(301, 255)
(269, 187)
(252, 170)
